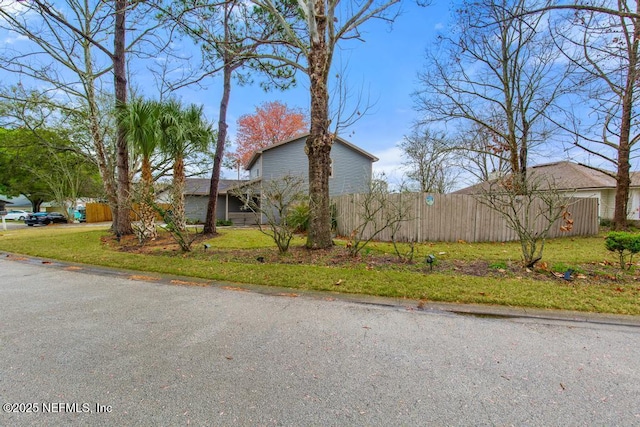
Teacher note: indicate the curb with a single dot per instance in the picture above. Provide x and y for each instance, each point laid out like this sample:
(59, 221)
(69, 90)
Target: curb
(471, 310)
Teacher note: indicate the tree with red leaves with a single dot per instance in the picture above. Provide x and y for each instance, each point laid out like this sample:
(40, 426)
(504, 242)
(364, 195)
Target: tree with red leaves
(272, 122)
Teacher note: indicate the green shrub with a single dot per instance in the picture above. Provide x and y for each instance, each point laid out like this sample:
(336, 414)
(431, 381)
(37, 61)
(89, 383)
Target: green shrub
(298, 217)
(605, 222)
(500, 265)
(625, 244)
(561, 267)
(223, 222)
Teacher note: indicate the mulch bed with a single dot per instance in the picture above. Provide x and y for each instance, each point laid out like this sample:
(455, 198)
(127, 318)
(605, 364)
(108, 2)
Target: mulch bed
(164, 244)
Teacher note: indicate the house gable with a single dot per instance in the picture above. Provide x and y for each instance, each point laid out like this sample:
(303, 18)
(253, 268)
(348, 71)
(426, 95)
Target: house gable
(351, 166)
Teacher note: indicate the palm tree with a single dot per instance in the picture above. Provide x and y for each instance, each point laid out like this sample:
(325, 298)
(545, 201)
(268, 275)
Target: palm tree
(182, 130)
(140, 120)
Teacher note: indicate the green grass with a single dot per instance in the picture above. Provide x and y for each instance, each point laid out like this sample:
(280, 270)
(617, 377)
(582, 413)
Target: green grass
(232, 259)
(247, 238)
(566, 250)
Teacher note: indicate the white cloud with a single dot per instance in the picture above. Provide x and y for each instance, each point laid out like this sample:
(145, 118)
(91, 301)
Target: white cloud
(390, 164)
(16, 8)
(13, 39)
(12, 6)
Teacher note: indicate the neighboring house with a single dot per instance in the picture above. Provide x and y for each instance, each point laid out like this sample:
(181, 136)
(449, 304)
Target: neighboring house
(228, 207)
(577, 180)
(351, 166)
(351, 171)
(20, 202)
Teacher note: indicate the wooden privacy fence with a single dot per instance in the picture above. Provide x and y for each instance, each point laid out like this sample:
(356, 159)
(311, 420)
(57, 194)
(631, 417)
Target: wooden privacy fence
(100, 212)
(454, 217)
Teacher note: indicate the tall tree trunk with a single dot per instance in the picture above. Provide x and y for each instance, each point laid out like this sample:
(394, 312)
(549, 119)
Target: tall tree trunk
(105, 167)
(36, 204)
(623, 182)
(105, 164)
(147, 213)
(122, 219)
(179, 216)
(623, 179)
(210, 222)
(319, 141)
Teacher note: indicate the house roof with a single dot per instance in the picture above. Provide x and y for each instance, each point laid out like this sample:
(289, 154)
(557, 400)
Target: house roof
(21, 200)
(200, 186)
(346, 143)
(566, 176)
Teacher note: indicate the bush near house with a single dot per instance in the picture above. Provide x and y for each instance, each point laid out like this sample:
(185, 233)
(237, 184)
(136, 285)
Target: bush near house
(625, 244)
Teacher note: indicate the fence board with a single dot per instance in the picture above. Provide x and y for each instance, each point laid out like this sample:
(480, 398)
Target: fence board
(101, 212)
(98, 212)
(454, 217)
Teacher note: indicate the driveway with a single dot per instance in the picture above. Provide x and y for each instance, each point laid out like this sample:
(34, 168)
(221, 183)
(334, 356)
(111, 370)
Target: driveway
(93, 348)
(12, 225)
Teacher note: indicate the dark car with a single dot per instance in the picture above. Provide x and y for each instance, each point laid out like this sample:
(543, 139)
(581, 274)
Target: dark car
(44, 218)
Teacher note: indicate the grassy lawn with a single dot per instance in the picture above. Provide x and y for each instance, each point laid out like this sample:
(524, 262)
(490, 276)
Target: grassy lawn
(484, 273)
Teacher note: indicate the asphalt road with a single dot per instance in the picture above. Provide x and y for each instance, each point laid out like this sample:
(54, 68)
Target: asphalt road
(83, 348)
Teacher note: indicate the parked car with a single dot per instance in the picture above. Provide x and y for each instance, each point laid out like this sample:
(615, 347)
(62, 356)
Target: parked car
(80, 215)
(45, 218)
(17, 215)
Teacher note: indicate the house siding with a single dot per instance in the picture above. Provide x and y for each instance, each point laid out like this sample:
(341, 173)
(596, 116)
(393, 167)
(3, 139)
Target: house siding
(196, 208)
(288, 159)
(606, 201)
(634, 204)
(351, 170)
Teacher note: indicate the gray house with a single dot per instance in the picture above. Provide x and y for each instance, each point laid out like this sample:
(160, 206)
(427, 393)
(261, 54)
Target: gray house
(351, 170)
(351, 166)
(228, 207)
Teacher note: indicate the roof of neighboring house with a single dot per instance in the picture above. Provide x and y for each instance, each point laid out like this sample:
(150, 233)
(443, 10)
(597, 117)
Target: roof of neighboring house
(346, 143)
(200, 186)
(566, 176)
(18, 201)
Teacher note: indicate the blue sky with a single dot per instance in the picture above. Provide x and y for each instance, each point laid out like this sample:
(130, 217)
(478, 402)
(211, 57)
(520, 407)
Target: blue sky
(385, 66)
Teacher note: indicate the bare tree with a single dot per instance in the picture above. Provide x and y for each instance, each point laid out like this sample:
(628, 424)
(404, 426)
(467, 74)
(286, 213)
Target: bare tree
(603, 43)
(478, 154)
(530, 210)
(429, 158)
(499, 71)
(378, 210)
(275, 200)
(69, 57)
